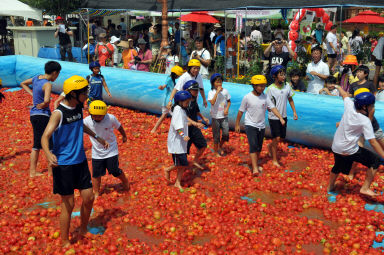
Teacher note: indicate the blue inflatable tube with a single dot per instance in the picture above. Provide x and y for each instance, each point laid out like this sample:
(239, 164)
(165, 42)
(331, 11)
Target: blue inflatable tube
(318, 114)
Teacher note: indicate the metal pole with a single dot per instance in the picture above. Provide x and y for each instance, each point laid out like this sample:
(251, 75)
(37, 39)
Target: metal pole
(245, 31)
(180, 57)
(88, 34)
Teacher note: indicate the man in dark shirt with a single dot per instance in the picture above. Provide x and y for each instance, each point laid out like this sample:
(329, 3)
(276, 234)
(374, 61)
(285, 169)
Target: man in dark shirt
(362, 73)
(276, 56)
(64, 33)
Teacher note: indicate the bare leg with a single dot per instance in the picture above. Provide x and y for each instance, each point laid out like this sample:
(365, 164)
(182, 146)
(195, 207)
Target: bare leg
(49, 170)
(199, 153)
(158, 123)
(365, 189)
(180, 171)
(352, 172)
(221, 145)
(254, 157)
(86, 209)
(124, 181)
(272, 147)
(96, 186)
(67, 204)
(332, 180)
(216, 149)
(33, 163)
(167, 173)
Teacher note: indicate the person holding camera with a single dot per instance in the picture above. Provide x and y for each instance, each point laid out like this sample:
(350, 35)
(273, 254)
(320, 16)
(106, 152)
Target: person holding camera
(276, 56)
(64, 33)
(144, 58)
(203, 56)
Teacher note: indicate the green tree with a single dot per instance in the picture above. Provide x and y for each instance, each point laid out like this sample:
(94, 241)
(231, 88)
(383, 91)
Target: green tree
(55, 7)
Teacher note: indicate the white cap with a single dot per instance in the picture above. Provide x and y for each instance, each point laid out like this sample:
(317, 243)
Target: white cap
(114, 39)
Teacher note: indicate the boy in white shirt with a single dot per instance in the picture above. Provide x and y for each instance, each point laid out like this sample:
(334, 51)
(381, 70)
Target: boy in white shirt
(355, 123)
(103, 158)
(279, 93)
(255, 104)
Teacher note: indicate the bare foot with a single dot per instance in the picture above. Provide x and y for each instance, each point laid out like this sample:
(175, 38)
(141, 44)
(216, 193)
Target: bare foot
(178, 185)
(35, 174)
(126, 186)
(269, 150)
(275, 163)
(368, 192)
(351, 177)
(198, 165)
(330, 188)
(153, 131)
(167, 175)
(65, 243)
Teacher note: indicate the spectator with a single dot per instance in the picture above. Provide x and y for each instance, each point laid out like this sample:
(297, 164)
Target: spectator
(378, 54)
(318, 33)
(92, 47)
(362, 73)
(344, 44)
(219, 48)
(207, 42)
(171, 59)
(177, 34)
(265, 29)
(332, 48)
(296, 83)
(113, 32)
(144, 57)
(116, 57)
(123, 25)
(92, 25)
(64, 33)
(98, 30)
(129, 54)
(279, 33)
(256, 35)
(104, 51)
(231, 54)
(330, 87)
(155, 40)
(380, 93)
(278, 56)
(203, 55)
(355, 43)
(317, 72)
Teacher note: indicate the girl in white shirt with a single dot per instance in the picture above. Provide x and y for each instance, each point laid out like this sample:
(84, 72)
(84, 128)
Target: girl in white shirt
(178, 137)
(220, 100)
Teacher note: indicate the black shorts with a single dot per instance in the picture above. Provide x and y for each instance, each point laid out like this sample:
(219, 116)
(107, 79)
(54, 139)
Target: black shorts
(68, 178)
(278, 130)
(99, 166)
(343, 164)
(180, 159)
(378, 62)
(39, 123)
(196, 138)
(332, 55)
(255, 138)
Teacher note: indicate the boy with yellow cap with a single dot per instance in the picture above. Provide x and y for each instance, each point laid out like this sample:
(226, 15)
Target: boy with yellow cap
(70, 168)
(255, 103)
(103, 124)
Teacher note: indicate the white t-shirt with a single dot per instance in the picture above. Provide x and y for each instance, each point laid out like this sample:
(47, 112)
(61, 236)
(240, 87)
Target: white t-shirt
(257, 36)
(204, 54)
(217, 110)
(317, 83)
(352, 126)
(103, 129)
(187, 77)
(175, 142)
(331, 38)
(279, 98)
(380, 95)
(254, 108)
(170, 62)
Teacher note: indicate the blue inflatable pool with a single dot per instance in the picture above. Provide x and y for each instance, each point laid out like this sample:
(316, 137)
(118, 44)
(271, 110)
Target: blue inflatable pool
(318, 114)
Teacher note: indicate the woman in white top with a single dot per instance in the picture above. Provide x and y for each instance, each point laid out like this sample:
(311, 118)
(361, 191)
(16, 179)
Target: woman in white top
(355, 44)
(116, 56)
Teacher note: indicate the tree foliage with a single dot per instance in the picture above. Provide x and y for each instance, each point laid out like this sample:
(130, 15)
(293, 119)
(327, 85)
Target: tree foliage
(56, 7)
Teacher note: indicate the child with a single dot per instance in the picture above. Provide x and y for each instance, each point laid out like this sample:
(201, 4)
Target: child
(330, 87)
(171, 59)
(296, 83)
(40, 112)
(96, 83)
(92, 47)
(380, 93)
(70, 167)
(220, 100)
(355, 123)
(255, 104)
(279, 93)
(116, 56)
(194, 132)
(169, 85)
(103, 124)
(178, 137)
(362, 73)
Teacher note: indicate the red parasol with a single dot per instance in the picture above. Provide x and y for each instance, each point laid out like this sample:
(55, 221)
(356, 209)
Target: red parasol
(199, 17)
(366, 17)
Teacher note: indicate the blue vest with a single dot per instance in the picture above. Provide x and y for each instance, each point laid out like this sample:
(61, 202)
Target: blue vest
(95, 87)
(38, 96)
(68, 137)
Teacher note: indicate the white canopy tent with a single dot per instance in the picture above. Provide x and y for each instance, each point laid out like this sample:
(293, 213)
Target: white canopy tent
(17, 8)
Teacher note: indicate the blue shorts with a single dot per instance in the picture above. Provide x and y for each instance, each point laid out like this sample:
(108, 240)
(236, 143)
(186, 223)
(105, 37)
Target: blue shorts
(180, 159)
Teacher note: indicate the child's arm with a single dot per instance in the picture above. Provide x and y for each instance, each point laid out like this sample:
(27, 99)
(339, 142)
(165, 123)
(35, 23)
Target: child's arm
(58, 101)
(25, 85)
(51, 127)
(237, 125)
(194, 123)
(169, 105)
(89, 132)
(292, 104)
(227, 108)
(47, 87)
(161, 87)
(206, 120)
(376, 146)
(277, 114)
(342, 92)
(122, 132)
(213, 100)
(106, 88)
(202, 93)
(181, 133)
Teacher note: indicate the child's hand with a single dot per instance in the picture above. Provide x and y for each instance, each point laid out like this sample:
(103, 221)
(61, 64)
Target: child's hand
(337, 124)
(226, 112)
(39, 106)
(282, 121)
(186, 138)
(205, 103)
(52, 160)
(169, 105)
(199, 125)
(109, 94)
(237, 128)
(295, 116)
(161, 87)
(206, 120)
(124, 139)
(103, 142)
(219, 89)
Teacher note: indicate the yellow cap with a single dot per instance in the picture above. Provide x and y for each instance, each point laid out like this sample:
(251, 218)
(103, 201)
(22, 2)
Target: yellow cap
(76, 82)
(177, 70)
(98, 107)
(361, 90)
(258, 79)
(194, 62)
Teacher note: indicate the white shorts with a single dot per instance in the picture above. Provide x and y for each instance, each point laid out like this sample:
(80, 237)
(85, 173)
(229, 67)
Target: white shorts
(229, 64)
